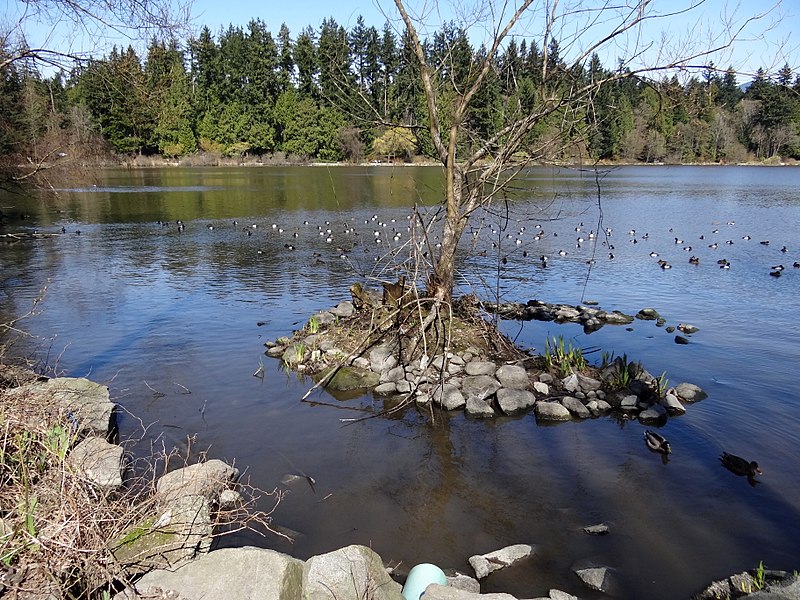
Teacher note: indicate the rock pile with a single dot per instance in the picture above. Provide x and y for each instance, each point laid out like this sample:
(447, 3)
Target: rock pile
(471, 381)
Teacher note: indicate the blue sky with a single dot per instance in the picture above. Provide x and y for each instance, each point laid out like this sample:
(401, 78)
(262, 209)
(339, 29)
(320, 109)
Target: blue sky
(768, 43)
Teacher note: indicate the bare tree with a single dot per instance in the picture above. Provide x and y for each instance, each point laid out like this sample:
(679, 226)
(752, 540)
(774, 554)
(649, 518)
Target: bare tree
(60, 26)
(478, 167)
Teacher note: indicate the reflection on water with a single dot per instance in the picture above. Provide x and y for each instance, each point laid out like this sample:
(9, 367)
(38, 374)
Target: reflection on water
(146, 306)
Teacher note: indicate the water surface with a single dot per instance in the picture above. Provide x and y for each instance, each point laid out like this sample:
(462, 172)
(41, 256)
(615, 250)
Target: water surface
(136, 303)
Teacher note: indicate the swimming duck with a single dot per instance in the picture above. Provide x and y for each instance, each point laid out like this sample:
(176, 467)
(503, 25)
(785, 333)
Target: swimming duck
(740, 466)
(656, 442)
(694, 260)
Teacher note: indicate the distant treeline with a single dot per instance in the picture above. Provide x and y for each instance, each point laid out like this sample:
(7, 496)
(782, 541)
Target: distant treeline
(332, 94)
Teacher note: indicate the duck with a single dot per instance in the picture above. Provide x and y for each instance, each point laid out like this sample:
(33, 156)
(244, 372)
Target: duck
(694, 260)
(740, 466)
(657, 443)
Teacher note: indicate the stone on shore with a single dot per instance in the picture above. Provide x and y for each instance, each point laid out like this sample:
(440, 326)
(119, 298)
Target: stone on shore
(483, 564)
(576, 407)
(480, 367)
(513, 377)
(226, 573)
(99, 461)
(479, 386)
(689, 392)
(551, 411)
(596, 578)
(449, 397)
(513, 401)
(347, 573)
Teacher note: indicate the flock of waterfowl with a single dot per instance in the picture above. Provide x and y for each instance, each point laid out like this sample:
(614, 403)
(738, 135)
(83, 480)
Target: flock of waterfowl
(735, 464)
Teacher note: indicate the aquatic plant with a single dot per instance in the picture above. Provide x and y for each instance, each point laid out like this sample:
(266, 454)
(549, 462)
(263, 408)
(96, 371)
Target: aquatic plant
(563, 358)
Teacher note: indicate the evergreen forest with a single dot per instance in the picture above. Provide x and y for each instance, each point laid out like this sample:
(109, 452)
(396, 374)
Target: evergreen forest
(333, 94)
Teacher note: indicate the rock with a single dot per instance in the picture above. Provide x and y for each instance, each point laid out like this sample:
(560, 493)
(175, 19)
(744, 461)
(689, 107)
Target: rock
(325, 317)
(442, 592)
(86, 401)
(688, 329)
(728, 588)
(226, 573)
(276, 351)
(206, 479)
(349, 573)
(477, 407)
(294, 354)
(672, 404)
(464, 583)
(480, 367)
(395, 374)
(541, 387)
(389, 363)
(551, 411)
(559, 595)
(571, 383)
(350, 378)
(599, 529)
(629, 403)
(546, 378)
(670, 329)
(479, 386)
(513, 377)
(386, 389)
(361, 363)
(660, 322)
(229, 499)
(403, 386)
(679, 339)
(596, 578)
(602, 405)
(378, 356)
(689, 392)
(648, 314)
(98, 461)
(617, 318)
(588, 384)
(567, 313)
(483, 564)
(653, 414)
(513, 401)
(449, 397)
(343, 309)
(576, 407)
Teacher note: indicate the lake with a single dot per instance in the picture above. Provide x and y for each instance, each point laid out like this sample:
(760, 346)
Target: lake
(174, 323)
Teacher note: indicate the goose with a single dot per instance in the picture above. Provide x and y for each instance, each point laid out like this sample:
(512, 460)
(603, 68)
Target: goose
(656, 442)
(740, 466)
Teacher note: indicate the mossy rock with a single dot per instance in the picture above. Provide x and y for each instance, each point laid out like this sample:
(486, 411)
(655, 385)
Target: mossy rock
(351, 378)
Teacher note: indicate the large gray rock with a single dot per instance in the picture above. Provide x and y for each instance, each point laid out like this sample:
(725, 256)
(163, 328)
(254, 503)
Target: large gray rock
(378, 356)
(476, 407)
(597, 578)
(513, 377)
(576, 407)
(343, 309)
(588, 384)
(689, 392)
(672, 404)
(86, 401)
(351, 573)
(394, 375)
(206, 479)
(541, 388)
(653, 414)
(479, 386)
(480, 367)
(226, 573)
(513, 401)
(100, 462)
(551, 411)
(483, 564)
(449, 397)
(441, 592)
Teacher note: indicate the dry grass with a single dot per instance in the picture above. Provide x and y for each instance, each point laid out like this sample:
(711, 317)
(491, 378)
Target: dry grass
(56, 527)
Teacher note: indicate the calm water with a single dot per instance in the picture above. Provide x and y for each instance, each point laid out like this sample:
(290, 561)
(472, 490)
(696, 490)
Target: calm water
(146, 308)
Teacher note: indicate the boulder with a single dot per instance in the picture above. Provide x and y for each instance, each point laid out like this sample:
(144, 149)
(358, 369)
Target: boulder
(596, 578)
(386, 389)
(687, 328)
(480, 367)
(653, 414)
(617, 318)
(541, 388)
(648, 314)
(477, 407)
(551, 411)
(378, 356)
(226, 573)
(351, 378)
(588, 384)
(672, 404)
(350, 573)
(576, 407)
(85, 401)
(442, 592)
(395, 374)
(513, 377)
(483, 564)
(206, 479)
(512, 401)
(571, 383)
(343, 309)
(479, 386)
(599, 529)
(689, 392)
(449, 397)
(98, 461)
